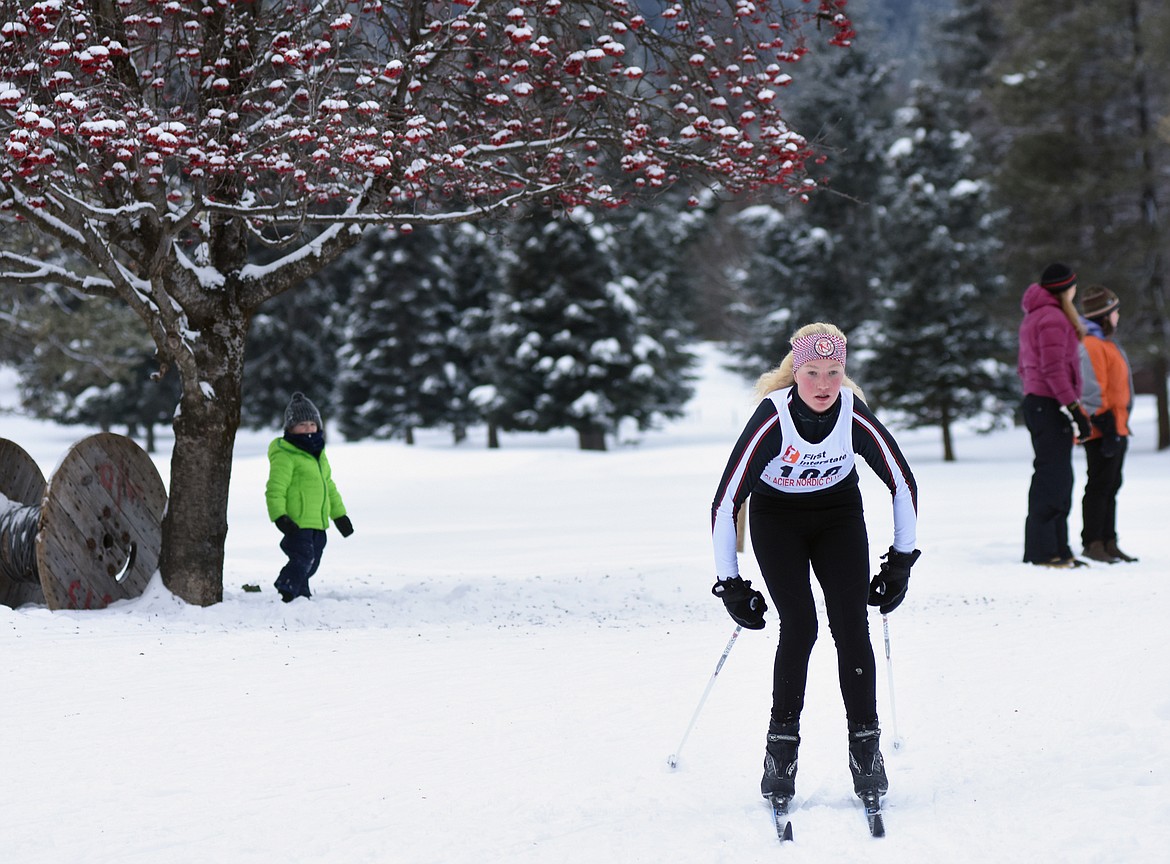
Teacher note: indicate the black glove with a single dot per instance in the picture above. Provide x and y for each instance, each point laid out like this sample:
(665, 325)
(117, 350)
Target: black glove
(1106, 424)
(1081, 419)
(743, 604)
(343, 525)
(287, 526)
(888, 588)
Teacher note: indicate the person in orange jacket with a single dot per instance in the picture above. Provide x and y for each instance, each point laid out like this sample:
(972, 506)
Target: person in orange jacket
(1108, 399)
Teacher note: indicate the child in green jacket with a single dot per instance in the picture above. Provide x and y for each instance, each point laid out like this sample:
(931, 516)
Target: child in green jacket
(301, 496)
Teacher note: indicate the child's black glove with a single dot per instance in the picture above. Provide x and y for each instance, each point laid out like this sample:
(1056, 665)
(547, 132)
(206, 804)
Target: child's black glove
(1083, 430)
(1106, 424)
(287, 526)
(888, 588)
(343, 525)
(745, 605)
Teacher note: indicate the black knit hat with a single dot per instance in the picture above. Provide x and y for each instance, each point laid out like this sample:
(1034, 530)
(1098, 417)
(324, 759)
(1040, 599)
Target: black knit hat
(1098, 301)
(300, 410)
(1057, 278)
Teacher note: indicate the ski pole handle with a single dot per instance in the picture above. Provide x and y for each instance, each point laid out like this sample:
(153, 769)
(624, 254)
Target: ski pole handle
(672, 760)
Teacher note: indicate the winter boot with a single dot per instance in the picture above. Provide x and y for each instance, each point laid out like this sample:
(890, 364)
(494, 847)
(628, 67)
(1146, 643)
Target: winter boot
(780, 759)
(285, 589)
(1097, 551)
(1111, 548)
(865, 759)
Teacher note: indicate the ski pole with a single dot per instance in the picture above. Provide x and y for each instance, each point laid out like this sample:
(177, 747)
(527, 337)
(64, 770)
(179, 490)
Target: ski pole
(672, 760)
(890, 679)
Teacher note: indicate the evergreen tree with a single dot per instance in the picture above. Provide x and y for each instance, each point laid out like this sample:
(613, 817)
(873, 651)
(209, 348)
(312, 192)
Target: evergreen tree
(782, 281)
(937, 356)
(816, 260)
(963, 48)
(398, 370)
(474, 258)
(89, 365)
(1083, 171)
(573, 346)
(293, 346)
(654, 250)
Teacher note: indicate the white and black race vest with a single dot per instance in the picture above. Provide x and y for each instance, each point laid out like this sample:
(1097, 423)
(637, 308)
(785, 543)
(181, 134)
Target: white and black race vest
(805, 467)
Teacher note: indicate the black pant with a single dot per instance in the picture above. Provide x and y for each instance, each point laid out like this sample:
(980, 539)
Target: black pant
(303, 548)
(1099, 506)
(788, 536)
(1050, 495)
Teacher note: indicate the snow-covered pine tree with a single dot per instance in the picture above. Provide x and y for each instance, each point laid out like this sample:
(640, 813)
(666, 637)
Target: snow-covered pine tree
(474, 255)
(781, 282)
(399, 371)
(655, 249)
(88, 364)
(572, 347)
(293, 346)
(938, 355)
(815, 260)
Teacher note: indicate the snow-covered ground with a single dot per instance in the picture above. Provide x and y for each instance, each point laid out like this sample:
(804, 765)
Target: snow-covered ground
(498, 663)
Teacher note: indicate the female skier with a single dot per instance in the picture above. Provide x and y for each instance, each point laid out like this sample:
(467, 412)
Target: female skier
(796, 458)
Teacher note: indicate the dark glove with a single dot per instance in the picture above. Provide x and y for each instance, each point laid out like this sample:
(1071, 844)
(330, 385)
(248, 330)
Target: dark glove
(1106, 424)
(343, 525)
(287, 526)
(888, 588)
(743, 604)
(1081, 419)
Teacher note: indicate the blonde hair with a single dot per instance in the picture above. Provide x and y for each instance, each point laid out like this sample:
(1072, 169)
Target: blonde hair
(782, 376)
(1070, 312)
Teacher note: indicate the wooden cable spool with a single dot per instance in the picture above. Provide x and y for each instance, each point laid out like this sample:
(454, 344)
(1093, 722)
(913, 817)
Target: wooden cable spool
(97, 525)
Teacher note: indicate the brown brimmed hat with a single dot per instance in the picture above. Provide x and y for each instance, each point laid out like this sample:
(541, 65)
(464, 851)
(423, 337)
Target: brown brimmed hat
(1097, 301)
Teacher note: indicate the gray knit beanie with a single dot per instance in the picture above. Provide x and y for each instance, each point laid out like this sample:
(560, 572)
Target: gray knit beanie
(299, 410)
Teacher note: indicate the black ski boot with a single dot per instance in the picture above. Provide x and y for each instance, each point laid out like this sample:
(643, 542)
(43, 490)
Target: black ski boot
(780, 760)
(865, 759)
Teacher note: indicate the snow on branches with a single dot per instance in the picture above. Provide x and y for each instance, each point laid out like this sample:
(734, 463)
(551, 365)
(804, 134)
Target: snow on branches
(401, 104)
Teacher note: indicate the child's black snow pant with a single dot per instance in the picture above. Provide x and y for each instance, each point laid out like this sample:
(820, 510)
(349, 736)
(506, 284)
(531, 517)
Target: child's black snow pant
(303, 548)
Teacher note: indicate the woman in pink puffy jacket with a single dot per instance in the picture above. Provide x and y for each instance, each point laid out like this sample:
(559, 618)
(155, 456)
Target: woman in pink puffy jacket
(1050, 372)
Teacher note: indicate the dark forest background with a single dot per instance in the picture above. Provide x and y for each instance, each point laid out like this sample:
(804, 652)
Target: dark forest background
(967, 145)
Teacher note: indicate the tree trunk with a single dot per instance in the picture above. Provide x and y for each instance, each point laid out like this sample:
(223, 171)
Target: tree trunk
(493, 437)
(948, 442)
(591, 438)
(195, 526)
(1151, 216)
(1160, 373)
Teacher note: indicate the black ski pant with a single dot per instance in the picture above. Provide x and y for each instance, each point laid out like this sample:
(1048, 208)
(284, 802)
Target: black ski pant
(788, 536)
(1103, 481)
(1051, 492)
